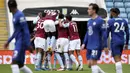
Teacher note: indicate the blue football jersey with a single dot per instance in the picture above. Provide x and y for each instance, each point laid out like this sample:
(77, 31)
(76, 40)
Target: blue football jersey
(95, 37)
(21, 31)
(118, 28)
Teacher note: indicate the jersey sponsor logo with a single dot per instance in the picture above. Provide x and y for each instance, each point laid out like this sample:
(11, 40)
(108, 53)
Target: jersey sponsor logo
(51, 10)
(22, 19)
(74, 12)
(90, 30)
(104, 26)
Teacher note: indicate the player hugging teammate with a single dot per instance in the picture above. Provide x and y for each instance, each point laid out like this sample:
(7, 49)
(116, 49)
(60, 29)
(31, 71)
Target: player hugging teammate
(67, 42)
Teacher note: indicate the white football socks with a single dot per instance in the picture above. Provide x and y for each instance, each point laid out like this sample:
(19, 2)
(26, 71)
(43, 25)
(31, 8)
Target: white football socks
(15, 68)
(73, 58)
(100, 70)
(44, 63)
(118, 67)
(38, 60)
(71, 63)
(49, 61)
(54, 66)
(48, 41)
(80, 61)
(66, 60)
(94, 69)
(52, 41)
(59, 60)
(25, 69)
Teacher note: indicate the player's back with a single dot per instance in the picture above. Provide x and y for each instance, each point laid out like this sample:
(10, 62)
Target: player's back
(21, 28)
(117, 27)
(73, 31)
(40, 29)
(62, 32)
(51, 15)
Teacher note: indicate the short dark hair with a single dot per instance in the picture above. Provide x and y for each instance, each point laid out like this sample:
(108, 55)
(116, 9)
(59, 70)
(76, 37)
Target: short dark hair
(94, 7)
(115, 10)
(61, 16)
(12, 3)
(69, 17)
(43, 14)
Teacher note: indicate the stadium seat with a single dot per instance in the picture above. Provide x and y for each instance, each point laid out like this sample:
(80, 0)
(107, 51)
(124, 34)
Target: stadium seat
(119, 4)
(108, 9)
(129, 15)
(123, 15)
(122, 10)
(126, 0)
(118, 0)
(128, 10)
(129, 21)
(127, 4)
(126, 19)
(129, 25)
(109, 4)
(109, 0)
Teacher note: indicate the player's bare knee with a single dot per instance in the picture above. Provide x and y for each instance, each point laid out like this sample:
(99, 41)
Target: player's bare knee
(93, 62)
(20, 65)
(71, 52)
(39, 50)
(117, 58)
(78, 52)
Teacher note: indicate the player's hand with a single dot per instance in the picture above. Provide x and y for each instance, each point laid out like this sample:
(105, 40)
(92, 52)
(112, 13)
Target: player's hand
(83, 46)
(106, 50)
(6, 45)
(40, 14)
(126, 47)
(60, 22)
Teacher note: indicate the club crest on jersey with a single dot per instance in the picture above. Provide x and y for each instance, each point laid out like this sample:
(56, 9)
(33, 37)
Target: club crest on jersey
(14, 20)
(94, 23)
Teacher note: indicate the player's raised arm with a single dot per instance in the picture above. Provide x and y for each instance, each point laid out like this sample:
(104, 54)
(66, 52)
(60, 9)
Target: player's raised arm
(65, 25)
(37, 18)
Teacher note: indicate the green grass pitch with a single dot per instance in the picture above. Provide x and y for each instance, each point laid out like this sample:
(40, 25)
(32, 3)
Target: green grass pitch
(108, 68)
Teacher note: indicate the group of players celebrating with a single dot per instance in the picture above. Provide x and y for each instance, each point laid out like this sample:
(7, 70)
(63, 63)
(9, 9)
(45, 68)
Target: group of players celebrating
(68, 40)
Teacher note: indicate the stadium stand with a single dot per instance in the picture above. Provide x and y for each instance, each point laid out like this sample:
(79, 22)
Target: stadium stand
(123, 5)
(3, 24)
